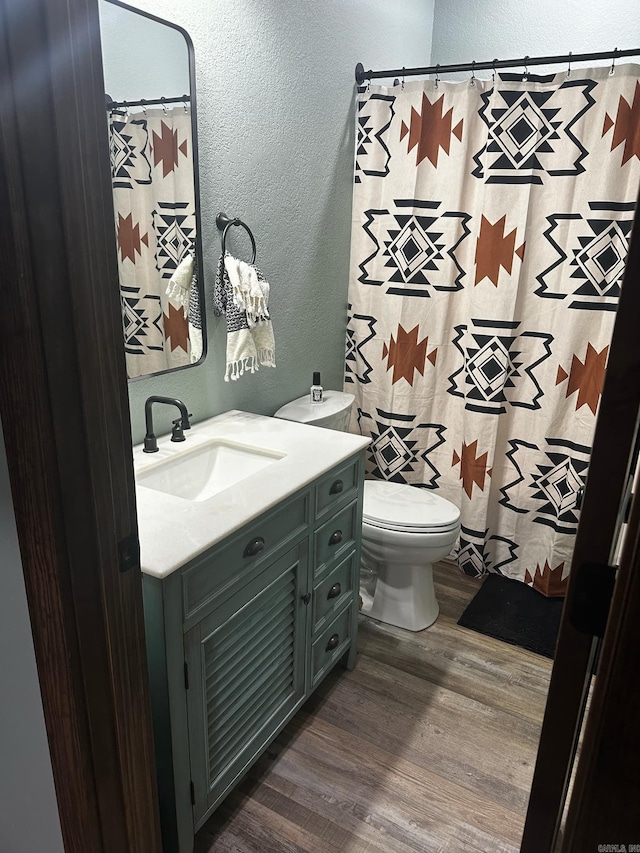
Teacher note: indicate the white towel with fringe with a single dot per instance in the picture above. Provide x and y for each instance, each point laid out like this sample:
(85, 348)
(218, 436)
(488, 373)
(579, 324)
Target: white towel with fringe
(179, 286)
(182, 290)
(250, 289)
(241, 294)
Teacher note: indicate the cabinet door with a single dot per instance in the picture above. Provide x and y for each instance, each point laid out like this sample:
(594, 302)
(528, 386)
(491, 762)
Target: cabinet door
(246, 667)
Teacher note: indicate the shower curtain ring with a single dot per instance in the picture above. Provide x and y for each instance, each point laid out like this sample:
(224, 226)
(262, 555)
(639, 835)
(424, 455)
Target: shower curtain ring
(526, 69)
(402, 77)
(569, 68)
(164, 105)
(437, 75)
(612, 70)
(143, 104)
(493, 68)
(472, 82)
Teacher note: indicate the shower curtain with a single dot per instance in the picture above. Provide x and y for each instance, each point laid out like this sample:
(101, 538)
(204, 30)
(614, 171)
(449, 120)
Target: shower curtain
(154, 206)
(491, 221)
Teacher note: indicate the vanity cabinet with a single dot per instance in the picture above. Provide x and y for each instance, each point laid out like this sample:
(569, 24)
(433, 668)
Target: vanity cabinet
(239, 638)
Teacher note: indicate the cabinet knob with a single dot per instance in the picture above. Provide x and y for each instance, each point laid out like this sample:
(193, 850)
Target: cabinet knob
(336, 487)
(254, 547)
(306, 598)
(335, 537)
(335, 591)
(334, 639)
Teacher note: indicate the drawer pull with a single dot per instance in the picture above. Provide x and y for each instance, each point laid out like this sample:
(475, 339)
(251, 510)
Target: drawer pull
(254, 547)
(334, 639)
(335, 591)
(336, 487)
(335, 537)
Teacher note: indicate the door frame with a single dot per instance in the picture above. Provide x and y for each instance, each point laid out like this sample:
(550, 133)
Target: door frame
(603, 808)
(600, 519)
(65, 417)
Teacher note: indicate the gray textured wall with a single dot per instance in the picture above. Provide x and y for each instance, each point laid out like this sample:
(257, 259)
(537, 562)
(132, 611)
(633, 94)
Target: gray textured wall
(28, 809)
(465, 30)
(275, 92)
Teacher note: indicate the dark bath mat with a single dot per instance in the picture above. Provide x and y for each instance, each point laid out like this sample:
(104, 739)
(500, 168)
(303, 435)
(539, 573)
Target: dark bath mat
(509, 610)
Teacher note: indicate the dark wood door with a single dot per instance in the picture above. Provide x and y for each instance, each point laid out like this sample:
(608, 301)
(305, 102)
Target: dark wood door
(65, 418)
(602, 515)
(604, 809)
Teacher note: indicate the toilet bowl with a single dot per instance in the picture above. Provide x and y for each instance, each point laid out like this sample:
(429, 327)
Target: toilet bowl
(405, 529)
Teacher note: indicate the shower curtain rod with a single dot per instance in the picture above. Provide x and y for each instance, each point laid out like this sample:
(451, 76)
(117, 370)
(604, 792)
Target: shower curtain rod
(145, 102)
(526, 61)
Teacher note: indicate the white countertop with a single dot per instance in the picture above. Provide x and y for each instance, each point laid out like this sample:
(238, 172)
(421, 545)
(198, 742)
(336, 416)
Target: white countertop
(173, 530)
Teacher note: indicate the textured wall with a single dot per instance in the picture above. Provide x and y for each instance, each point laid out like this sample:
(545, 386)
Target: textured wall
(28, 809)
(465, 30)
(275, 122)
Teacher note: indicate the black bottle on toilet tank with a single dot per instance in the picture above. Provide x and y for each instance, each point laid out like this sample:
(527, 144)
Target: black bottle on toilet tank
(315, 392)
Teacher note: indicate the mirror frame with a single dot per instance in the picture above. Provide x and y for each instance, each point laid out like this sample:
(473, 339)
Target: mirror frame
(196, 181)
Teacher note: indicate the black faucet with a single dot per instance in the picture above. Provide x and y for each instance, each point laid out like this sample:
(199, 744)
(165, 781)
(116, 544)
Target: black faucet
(180, 424)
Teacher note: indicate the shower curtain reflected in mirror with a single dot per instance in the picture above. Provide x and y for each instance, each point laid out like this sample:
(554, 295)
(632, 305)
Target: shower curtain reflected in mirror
(154, 206)
(491, 223)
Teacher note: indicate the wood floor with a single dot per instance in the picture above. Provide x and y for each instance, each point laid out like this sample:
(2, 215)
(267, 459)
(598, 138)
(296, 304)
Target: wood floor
(428, 745)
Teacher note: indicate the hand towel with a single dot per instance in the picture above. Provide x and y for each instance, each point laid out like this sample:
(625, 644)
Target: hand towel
(250, 289)
(195, 321)
(182, 290)
(237, 286)
(179, 286)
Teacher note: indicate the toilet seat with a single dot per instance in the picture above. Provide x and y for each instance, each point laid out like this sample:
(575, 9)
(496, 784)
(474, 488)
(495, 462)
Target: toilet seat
(401, 507)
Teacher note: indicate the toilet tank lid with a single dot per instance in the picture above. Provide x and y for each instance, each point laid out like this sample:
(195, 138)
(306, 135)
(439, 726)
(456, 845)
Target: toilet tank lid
(401, 505)
(304, 412)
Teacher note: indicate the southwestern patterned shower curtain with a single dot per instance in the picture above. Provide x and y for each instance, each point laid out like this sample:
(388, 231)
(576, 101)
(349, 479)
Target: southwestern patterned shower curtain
(490, 227)
(154, 206)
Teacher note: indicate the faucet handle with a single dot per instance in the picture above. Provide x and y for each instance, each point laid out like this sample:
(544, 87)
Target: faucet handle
(177, 433)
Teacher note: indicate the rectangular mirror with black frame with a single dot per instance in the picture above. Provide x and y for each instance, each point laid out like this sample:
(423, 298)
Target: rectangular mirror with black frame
(151, 115)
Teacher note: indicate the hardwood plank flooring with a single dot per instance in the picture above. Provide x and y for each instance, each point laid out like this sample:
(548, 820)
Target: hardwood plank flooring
(428, 745)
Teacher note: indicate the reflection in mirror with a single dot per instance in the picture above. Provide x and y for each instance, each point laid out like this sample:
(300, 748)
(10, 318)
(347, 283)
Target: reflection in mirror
(148, 73)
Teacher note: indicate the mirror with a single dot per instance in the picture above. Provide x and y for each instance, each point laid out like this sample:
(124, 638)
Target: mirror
(150, 102)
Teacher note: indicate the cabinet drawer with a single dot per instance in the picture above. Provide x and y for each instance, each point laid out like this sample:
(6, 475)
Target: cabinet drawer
(333, 592)
(335, 538)
(331, 645)
(226, 567)
(337, 486)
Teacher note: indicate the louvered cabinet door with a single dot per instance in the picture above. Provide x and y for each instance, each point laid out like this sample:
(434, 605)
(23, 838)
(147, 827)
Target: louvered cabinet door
(246, 664)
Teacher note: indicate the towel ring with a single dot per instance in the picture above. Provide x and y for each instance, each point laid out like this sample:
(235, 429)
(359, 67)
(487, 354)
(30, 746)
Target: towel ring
(225, 222)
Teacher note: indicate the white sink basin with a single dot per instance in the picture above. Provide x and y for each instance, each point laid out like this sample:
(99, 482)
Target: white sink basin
(198, 474)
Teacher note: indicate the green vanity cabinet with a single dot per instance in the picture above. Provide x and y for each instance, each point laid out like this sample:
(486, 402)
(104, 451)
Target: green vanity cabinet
(249, 658)
(239, 637)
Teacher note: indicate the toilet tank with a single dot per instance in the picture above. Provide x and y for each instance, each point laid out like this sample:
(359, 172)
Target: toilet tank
(333, 413)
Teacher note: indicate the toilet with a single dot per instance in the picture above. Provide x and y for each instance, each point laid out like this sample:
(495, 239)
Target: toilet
(405, 529)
